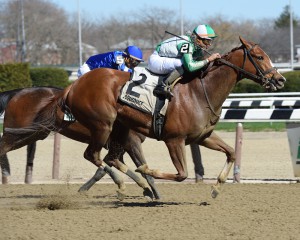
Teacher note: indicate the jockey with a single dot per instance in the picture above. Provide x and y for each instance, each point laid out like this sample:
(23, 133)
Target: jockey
(123, 61)
(175, 55)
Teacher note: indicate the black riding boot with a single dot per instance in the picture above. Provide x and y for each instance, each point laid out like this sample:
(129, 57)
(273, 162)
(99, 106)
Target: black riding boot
(163, 89)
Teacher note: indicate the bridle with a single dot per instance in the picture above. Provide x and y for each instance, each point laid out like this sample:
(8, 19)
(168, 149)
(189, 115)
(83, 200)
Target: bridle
(259, 76)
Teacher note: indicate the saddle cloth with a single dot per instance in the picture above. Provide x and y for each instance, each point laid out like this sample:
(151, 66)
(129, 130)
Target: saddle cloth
(138, 91)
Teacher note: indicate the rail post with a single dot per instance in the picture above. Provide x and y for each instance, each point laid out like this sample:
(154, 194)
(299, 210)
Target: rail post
(56, 156)
(238, 153)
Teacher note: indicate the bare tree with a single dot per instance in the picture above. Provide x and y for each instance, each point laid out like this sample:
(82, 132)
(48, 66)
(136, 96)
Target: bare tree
(46, 27)
(52, 34)
(155, 21)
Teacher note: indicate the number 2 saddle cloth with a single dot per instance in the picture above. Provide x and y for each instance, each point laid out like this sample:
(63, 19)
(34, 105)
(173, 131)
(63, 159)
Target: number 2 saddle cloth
(138, 91)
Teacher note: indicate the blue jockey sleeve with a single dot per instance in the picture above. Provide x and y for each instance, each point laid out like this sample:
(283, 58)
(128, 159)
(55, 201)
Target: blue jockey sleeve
(112, 60)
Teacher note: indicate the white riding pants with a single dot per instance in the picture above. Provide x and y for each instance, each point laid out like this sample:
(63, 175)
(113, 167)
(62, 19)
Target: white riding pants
(162, 65)
(83, 69)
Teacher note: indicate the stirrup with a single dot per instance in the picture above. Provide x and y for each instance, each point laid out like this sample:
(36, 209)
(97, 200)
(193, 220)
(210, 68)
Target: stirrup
(163, 91)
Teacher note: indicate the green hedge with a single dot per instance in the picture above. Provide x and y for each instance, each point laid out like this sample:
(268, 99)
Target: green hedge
(55, 77)
(247, 86)
(292, 83)
(14, 75)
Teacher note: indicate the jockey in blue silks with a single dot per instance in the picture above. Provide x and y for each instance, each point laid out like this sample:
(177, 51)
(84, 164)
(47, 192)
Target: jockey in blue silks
(123, 61)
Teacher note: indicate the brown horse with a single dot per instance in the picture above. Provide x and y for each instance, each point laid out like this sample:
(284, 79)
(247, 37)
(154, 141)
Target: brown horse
(27, 103)
(191, 116)
(5, 97)
(23, 107)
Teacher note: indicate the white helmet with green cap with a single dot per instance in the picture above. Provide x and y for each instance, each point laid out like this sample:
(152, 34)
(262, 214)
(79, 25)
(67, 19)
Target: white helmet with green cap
(205, 31)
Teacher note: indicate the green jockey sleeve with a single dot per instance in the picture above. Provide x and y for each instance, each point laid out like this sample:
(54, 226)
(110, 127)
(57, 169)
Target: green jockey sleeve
(189, 54)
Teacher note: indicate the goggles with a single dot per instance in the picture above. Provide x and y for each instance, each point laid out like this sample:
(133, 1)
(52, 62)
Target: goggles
(206, 41)
(134, 62)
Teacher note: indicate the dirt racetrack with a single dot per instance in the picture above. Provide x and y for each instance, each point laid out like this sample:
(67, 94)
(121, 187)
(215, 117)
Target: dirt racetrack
(53, 209)
(242, 211)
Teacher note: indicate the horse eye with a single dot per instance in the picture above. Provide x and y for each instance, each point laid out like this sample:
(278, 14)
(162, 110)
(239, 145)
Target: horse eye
(260, 58)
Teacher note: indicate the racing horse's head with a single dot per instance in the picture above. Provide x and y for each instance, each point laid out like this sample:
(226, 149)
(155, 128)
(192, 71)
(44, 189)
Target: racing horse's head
(259, 67)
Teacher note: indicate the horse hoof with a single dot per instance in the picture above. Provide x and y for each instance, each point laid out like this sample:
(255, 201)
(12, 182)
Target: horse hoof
(4, 180)
(120, 195)
(199, 179)
(148, 195)
(85, 187)
(215, 190)
(142, 169)
(82, 189)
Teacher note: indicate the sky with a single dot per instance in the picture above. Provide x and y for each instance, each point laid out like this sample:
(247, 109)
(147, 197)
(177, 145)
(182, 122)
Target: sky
(191, 9)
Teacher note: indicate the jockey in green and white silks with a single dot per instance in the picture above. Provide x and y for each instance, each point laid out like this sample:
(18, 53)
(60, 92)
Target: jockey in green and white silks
(176, 55)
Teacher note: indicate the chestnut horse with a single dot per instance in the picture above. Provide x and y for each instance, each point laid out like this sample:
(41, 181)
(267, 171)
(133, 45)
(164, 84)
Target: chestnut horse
(191, 116)
(23, 107)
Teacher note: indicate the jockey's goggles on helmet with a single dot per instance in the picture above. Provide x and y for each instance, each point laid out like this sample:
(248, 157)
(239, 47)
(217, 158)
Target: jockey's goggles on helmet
(207, 41)
(134, 62)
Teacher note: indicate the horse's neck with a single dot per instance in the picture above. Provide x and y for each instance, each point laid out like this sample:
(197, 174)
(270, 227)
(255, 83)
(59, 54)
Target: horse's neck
(218, 83)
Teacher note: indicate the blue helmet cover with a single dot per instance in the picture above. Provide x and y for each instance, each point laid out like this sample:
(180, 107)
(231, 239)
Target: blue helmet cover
(134, 52)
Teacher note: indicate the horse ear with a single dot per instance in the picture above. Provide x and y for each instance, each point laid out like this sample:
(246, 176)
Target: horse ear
(244, 42)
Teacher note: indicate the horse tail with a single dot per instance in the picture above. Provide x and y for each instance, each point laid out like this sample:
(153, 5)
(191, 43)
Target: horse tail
(45, 119)
(5, 97)
(63, 99)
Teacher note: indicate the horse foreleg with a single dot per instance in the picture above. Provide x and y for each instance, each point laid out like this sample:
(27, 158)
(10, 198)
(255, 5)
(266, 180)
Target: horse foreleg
(29, 165)
(177, 152)
(5, 168)
(214, 142)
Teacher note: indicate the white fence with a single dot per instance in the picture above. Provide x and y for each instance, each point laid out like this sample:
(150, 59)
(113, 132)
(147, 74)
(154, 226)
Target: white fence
(262, 107)
(265, 107)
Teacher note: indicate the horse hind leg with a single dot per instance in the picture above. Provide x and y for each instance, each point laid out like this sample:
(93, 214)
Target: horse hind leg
(133, 148)
(214, 142)
(31, 148)
(92, 153)
(97, 141)
(114, 158)
(100, 173)
(4, 163)
(135, 177)
(5, 168)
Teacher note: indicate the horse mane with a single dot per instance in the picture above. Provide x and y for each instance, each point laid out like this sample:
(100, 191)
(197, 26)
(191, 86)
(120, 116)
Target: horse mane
(225, 56)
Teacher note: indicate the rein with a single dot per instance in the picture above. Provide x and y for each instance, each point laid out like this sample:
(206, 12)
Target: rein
(207, 99)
